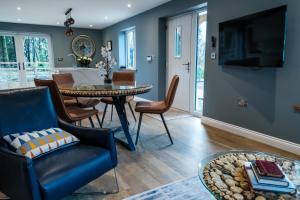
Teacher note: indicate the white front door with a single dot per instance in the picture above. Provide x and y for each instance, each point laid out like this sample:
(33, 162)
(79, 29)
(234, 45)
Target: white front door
(179, 58)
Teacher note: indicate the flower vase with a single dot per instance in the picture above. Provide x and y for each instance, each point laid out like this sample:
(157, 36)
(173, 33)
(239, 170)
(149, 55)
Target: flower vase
(107, 80)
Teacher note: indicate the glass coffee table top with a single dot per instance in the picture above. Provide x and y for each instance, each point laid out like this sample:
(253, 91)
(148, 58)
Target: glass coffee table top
(216, 169)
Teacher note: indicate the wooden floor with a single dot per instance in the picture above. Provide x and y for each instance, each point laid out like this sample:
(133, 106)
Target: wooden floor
(156, 162)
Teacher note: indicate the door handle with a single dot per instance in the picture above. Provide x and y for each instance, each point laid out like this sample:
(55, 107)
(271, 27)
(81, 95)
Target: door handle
(19, 65)
(188, 66)
(23, 66)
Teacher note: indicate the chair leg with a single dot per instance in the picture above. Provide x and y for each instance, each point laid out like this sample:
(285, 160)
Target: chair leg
(98, 119)
(163, 119)
(91, 121)
(112, 110)
(139, 127)
(104, 112)
(80, 123)
(102, 192)
(132, 111)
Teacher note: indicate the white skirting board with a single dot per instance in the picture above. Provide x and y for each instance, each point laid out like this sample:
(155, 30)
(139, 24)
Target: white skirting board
(253, 135)
(136, 98)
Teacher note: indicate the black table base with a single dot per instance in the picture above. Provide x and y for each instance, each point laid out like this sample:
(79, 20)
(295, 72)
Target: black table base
(119, 102)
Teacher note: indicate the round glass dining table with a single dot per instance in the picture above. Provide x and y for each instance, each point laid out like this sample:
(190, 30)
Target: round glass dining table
(117, 90)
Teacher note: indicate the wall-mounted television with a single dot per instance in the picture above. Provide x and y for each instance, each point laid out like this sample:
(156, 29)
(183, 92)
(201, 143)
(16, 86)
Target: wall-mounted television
(256, 40)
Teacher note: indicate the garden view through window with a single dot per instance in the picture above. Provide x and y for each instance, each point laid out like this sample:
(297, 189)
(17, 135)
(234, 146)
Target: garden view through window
(130, 49)
(201, 43)
(24, 57)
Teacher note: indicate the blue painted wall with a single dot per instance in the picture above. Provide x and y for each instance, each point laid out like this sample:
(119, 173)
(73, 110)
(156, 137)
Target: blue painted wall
(61, 44)
(150, 41)
(271, 93)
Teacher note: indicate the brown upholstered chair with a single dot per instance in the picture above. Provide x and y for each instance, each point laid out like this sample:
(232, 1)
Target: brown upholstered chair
(126, 77)
(71, 114)
(67, 78)
(158, 107)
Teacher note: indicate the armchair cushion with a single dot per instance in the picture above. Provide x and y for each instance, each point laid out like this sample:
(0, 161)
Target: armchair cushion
(65, 170)
(36, 143)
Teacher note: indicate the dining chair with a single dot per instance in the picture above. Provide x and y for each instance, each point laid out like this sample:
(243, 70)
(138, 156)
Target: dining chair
(67, 79)
(158, 107)
(125, 77)
(71, 114)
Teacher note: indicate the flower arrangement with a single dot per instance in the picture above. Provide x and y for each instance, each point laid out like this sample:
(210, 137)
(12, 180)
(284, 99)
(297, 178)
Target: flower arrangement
(107, 64)
(84, 61)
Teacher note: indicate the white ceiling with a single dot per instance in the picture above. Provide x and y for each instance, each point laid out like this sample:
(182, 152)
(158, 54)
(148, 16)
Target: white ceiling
(98, 13)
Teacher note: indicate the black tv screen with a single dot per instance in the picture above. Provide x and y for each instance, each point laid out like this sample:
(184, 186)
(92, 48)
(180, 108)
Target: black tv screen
(256, 40)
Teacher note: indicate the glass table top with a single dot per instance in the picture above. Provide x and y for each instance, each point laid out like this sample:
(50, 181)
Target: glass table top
(112, 86)
(113, 89)
(214, 163)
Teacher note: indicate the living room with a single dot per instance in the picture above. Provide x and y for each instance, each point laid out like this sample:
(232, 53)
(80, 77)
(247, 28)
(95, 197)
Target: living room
(162, 99)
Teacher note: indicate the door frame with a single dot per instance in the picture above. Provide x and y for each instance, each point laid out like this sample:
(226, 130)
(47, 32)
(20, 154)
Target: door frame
(193, 58)
(19, 36)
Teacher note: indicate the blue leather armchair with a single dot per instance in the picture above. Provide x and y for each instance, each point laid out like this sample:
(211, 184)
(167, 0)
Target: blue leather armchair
(58, 173)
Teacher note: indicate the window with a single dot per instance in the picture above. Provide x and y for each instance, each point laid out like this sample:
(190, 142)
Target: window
(8, 59)
(130, 53)
(178, 42)
(24, 56)
(36, 57)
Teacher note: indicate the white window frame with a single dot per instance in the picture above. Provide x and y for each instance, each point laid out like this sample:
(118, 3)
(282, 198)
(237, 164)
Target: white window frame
(126, 48)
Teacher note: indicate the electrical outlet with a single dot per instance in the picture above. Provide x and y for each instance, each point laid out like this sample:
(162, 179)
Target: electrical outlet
(242, 102)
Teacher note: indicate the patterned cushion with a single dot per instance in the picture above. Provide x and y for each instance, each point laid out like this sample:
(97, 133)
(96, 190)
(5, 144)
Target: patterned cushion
(33, 144)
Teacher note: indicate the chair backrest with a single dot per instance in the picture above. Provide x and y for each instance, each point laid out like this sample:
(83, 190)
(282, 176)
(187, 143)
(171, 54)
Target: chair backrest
(126, 76)
(25, 110)
(61, 79)
(172, 91)
(58, 102)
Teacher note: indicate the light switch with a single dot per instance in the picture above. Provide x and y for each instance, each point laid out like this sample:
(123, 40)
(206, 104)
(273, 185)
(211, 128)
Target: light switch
(213, 55)
(149, 58)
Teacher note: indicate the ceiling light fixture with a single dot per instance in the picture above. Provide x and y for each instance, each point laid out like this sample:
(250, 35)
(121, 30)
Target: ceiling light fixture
(69, 22)
(57, 23)
(91, 25)
(106, 18)
(19, 8)
(19, 19)
(129, 5)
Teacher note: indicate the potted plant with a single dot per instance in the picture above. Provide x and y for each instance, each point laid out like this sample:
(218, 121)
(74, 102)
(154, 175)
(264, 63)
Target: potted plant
(84, 61)
(107, 63)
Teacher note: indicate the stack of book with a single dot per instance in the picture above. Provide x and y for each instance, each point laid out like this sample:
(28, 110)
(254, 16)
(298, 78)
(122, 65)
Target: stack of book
(268, 176)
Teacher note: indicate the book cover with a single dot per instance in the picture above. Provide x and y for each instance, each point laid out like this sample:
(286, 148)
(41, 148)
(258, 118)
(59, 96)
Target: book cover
(268, 168)
(269, 181)
(264, 187)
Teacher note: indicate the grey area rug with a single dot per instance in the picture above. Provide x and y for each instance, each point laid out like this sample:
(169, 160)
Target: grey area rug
(172, 114)
(187, 189)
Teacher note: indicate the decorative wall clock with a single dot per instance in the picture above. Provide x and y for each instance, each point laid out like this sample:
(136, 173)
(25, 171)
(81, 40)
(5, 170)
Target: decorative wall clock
(83, 45)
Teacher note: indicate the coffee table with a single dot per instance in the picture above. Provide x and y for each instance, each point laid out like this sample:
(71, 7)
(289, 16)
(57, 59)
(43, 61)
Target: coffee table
(213, 172)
